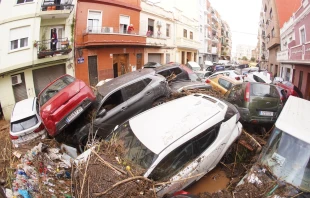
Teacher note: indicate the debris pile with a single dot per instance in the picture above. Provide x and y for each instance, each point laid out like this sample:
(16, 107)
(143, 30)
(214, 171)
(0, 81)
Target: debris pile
(105, 174)
(42, 171)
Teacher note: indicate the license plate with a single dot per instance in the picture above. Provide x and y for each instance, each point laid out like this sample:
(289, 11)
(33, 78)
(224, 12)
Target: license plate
(74, 114)
(266, 113)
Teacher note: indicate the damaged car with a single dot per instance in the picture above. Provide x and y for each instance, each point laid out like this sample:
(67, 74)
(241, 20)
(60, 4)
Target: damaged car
(26, 124)
(62, 102)
(285, 159)
(256, 102)
(121, 98)
(188, 139)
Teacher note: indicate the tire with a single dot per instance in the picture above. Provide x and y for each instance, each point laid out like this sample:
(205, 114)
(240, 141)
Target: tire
(83, 142)
(158, 102)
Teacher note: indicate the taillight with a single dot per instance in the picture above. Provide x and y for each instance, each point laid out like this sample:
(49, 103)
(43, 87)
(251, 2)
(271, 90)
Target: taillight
(13, 137)
(237, 78)
(208, 81)
(40, 128)
(247, 93)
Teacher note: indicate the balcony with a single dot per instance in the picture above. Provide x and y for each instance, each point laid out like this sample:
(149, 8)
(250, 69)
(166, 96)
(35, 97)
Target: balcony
(47, 48)
(187, 43)
(97, 36)
(156, 41)
(52, 10)
(213, 16)
(282, 56)
(214, 50)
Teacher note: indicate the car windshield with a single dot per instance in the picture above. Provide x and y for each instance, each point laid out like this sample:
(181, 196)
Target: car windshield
(194, 77)
(263, 90)
(288, 158)
(134, 150)
(24, 124)
(54, 88)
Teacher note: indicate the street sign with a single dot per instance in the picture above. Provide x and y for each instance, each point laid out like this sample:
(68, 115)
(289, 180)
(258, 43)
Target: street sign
(80, 60)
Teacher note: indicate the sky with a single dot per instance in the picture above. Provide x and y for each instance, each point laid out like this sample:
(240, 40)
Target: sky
(243, 18)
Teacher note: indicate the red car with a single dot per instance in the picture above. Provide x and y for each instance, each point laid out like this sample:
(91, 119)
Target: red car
(62, 101)
(290, 88)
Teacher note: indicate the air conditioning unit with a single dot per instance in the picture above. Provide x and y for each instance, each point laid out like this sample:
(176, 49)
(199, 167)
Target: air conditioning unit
(16, 79)
(108, 29)
(159, 23)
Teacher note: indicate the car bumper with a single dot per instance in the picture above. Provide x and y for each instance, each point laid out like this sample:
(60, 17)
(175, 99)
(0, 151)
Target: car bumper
(245, 116)
(65, 121)
(25, 139)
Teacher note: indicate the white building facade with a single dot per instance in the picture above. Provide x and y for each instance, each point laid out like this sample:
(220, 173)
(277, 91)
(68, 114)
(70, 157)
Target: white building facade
(29, 60)
(244, 50)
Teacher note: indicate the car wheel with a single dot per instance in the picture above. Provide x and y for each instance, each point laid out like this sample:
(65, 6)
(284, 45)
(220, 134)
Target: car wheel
(83, 143)
(158, 102)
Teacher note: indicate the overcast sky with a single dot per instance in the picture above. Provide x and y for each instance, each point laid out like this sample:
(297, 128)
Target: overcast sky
(242, 17)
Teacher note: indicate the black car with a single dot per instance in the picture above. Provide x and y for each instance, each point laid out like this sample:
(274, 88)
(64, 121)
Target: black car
(122, 98)
(169, 70)
(151, 65)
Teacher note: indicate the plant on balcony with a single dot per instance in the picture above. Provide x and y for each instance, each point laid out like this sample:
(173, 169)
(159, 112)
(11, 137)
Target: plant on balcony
(35, 44)
(72, 29)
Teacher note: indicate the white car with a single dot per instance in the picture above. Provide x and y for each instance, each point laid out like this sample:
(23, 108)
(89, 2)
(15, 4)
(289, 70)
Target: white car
(230, 73)
(26, 124)
(203, 74)
(188, 139)
(263, 77)
(193, 65)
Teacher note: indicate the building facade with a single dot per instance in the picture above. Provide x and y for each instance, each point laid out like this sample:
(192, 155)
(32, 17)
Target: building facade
(226, 42)
(295, 49)
(244, 51)
(35, 47)
(273, 16)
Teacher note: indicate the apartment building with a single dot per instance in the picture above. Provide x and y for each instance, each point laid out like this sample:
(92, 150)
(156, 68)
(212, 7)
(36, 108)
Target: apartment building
(160, 46)
(244, 51)
(29, 58)
(273, 16)
(226, 42)
(215, 35)
(294, 56)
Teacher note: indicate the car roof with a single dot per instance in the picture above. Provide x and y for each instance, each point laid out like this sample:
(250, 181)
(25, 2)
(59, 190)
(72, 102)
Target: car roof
(295, 118)
(23, 109)
(173, 120)
(226, 78)
(55, 81)
(166, 67)
(123, 79)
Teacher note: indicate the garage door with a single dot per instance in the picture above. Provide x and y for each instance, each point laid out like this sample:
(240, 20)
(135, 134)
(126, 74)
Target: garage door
(42, 77)
(154, 58)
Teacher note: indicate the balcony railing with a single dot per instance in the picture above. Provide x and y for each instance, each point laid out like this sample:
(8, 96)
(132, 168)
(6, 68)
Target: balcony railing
(49, 5)
(125, 31)
(48, 48)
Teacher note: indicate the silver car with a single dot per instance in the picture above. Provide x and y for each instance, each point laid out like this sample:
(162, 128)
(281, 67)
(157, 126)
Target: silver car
(26, 124)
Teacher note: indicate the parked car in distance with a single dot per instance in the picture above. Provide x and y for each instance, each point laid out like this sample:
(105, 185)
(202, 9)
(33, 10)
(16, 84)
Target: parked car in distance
(151, 65)
(203, 74)
(290, 88)
(244, 71)
(283, 94)
(285, 157)
(193, 66)
(189, 138)
(191, 74)
(208, 65)
(122, 98)
(256, 102)
(26, 124)
(169, 70)
(222, 83)
(62, 101)
(230, 73)
(262, 77)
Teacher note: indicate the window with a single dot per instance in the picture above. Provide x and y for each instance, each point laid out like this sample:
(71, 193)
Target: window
(19, 37)
(191, 36)
(263, 90)
(22, 1)
(173, 162)
(272, 33)
(147, 81)
(24, 124)
(150, 27)
(134, 89)
(123, 24)
(236, 93)
(185, 33)
(94, 21)
(270, 13)
(224, 83)
(167, 30)
(258, 79)
(204, 140)
(112, 101)
(287, 74)
(302, 36)
(300, 79)
(176, 71)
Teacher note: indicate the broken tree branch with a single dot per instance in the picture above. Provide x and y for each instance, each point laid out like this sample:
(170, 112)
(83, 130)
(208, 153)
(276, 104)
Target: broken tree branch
(108, 164)
(122, 182)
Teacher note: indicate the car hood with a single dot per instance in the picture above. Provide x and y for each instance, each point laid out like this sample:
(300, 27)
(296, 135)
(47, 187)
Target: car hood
(62, 97)
(181, 85)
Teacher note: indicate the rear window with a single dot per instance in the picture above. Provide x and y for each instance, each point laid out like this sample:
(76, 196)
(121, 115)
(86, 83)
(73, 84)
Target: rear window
(24, 124)
(258, 79)
(224, 83)
(264, 91)
(54, 88)
(194, 77)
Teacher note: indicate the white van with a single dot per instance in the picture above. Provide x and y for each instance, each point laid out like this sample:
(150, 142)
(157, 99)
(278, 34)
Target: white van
(193, 65)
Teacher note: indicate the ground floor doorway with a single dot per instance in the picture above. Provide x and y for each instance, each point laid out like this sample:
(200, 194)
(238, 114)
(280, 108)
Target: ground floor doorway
(120, 64)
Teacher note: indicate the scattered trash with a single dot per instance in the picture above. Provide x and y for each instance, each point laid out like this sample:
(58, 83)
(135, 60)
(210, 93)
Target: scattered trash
(72, 152)
(17, 154)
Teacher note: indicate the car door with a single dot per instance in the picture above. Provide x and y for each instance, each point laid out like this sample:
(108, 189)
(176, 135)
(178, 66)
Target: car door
(115, 106)
(139, 97)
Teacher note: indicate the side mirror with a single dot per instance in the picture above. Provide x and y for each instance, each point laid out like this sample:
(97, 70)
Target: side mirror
(102, 112)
